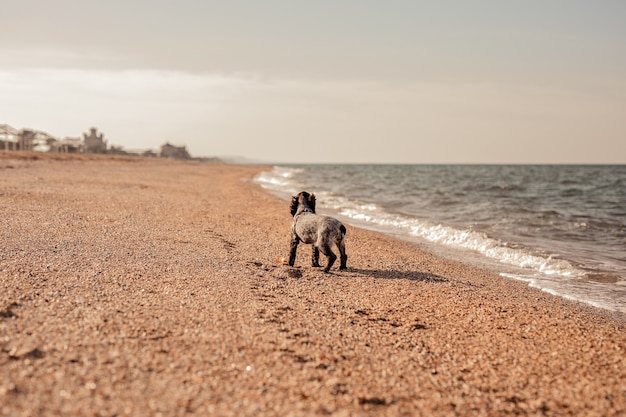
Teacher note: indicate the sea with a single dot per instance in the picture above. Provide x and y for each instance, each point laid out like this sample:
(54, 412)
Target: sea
(560, 228)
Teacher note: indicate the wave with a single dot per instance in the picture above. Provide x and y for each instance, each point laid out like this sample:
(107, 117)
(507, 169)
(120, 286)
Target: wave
(463, 239)
(280, 179)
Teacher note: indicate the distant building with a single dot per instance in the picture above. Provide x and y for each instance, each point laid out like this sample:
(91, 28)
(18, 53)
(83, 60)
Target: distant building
(67, 145)
(94, 142)
(171, 151)
(26, 140)
(8, 138)
(37, 141)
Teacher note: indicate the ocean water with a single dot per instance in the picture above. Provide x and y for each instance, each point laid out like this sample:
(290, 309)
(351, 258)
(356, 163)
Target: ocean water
(560, 228)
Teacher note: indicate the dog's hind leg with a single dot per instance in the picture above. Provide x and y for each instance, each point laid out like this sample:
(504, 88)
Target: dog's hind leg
(343, 257)
(330, 255)
(292, 252)
(315, 259)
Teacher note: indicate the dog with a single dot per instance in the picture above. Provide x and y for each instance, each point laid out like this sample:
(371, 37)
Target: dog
(320, 231)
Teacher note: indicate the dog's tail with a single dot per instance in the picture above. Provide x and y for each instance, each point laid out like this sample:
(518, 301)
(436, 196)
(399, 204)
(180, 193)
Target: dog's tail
(343, 229)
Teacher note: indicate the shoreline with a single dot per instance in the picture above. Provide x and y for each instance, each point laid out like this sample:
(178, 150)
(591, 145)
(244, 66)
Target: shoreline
(531, 246)
(152, 286)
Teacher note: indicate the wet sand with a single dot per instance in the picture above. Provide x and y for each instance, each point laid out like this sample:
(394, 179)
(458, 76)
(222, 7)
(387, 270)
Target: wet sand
(133, 286)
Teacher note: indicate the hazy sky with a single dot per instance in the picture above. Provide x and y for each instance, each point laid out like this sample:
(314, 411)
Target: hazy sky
(325, 81)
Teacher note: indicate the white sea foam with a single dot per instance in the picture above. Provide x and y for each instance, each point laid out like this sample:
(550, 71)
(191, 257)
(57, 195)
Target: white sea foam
(588, 292)
(464, 239)
(278, 178)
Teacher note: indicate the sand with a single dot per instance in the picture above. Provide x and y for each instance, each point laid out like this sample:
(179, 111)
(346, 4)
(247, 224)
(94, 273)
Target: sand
(133, 286)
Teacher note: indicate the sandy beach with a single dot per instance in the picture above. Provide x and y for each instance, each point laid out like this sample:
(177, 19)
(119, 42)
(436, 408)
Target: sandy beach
(132, 286)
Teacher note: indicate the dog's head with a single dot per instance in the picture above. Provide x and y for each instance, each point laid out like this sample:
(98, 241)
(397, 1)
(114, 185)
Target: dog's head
(301, 201)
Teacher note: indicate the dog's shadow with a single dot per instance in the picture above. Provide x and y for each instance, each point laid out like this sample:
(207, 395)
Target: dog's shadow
(392, 274)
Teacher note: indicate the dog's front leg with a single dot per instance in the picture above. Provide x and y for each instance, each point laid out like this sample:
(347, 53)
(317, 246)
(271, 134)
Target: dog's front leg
(315, 259)
(294, 247)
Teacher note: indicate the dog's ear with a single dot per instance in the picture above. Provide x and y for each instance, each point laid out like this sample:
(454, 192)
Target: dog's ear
(312, 202)
(294, 205)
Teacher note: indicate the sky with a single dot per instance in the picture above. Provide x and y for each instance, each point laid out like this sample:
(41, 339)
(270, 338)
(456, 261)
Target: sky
(343, 81)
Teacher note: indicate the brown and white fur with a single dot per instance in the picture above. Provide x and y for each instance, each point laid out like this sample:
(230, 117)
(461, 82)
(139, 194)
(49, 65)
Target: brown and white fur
(321, 231)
